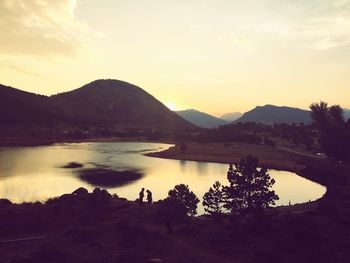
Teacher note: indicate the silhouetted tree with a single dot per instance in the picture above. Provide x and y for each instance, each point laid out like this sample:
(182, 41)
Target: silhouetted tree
(170, 211)
(334, 131)
(319, 113)
(182, 194)
(249, 186)
(213, 200)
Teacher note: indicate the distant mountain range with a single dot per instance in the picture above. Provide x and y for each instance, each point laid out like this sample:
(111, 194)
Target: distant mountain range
(201, 119)
(121, 106)
(270, 114)
(231, 116)
(109, 104)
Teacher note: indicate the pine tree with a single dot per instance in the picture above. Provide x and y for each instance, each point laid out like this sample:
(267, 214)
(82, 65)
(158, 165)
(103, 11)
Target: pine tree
(182, 194)
(213, 200)
(249, 186)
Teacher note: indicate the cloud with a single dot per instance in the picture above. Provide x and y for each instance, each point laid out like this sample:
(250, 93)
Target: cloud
(41, 28)
(320, 25)
(20, 69)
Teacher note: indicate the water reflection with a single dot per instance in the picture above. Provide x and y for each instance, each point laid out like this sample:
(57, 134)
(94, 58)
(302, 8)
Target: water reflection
(36, 173)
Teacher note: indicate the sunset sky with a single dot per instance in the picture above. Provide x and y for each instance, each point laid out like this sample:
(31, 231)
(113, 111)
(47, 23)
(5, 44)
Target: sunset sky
(216, 56)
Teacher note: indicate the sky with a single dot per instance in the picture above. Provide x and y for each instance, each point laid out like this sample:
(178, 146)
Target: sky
(216, 56)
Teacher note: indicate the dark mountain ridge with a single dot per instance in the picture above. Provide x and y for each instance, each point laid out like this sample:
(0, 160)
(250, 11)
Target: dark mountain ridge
(19, 107)
(270, 114)
(117, 104)
(103, 104)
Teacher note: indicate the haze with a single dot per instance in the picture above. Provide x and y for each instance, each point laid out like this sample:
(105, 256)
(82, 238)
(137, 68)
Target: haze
(214, 56)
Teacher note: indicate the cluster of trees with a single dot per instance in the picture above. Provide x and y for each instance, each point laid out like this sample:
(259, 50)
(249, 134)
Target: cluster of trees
(241, 132)
(248, 190)
(257, 133)
(334, 130)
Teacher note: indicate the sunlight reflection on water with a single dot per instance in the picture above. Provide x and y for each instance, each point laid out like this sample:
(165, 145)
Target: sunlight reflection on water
(35, 173)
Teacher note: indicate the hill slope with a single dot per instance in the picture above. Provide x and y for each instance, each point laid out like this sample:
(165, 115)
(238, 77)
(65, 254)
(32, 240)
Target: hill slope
(270, 114)
(119, 105)
(201, 119)
(20, 107)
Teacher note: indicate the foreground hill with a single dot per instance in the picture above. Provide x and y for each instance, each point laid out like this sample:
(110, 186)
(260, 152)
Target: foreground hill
(102, 104)
(201, 119)
(270, 114)
(20, 107)
(231, 116)
(119, 105)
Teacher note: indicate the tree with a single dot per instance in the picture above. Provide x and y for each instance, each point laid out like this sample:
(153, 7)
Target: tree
(249, 186)
(213, 200)
(319, 113)
(334, 132)
(182, 195)
(170, 211)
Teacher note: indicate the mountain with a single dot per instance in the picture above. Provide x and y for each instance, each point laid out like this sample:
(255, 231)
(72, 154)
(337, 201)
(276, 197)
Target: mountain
(101, 104)
(270, 114)
(20, 107)
(118, 105)
(231, 116)
(201, 119)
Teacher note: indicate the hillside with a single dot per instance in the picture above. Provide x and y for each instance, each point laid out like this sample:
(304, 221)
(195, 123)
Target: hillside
(201, 119)
(270, 114)
(118, 105)
(20, 107)
(102, 104)
(231, 116)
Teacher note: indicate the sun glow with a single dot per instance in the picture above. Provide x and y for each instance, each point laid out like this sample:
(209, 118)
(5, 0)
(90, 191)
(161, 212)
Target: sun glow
(171, 106)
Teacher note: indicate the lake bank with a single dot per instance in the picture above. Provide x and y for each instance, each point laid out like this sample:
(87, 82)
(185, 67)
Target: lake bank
(30, 142)
(269, 157)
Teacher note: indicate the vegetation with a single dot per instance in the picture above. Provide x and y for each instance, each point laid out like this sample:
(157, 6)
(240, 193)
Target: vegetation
(334, 130)
(213, 200)
(170, 211)
(183, 196)
(249, 187)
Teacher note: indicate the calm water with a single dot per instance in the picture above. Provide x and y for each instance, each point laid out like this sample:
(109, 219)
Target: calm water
(35, 173)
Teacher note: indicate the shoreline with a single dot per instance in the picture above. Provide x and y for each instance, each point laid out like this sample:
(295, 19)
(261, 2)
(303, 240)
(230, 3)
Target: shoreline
(270, 158)
(20, 142)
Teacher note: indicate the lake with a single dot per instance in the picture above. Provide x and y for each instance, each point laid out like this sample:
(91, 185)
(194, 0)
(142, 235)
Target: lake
(36, 173)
